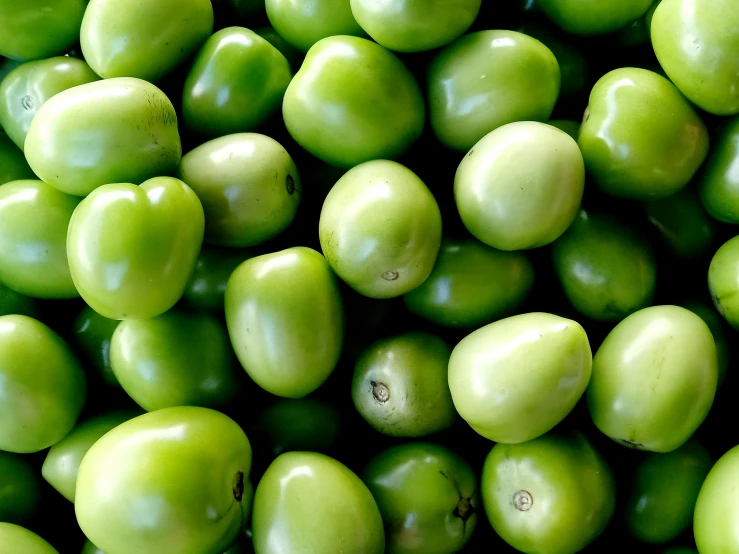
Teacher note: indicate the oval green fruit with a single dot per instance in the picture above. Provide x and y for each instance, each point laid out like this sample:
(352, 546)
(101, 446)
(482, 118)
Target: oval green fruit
(716, 324)
(716, 510)
(582, 17)
(723, 281)
(18, 539)
(718, 181)
(13, 164)
(92, 334)
(20, 490)
(206, 288)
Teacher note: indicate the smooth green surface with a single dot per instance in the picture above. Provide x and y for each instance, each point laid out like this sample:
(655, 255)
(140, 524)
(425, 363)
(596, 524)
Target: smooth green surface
(12, 302)
(515, 379)
(723, 281)
(720, 337)
(520, 187)
(20, 490)
(18, 539)
(206, 288)
(13, 164)
(92, 334)
(683, 223)
(299, 424)
(90, 548)
(585, 17)
(716, 510)
(718, 181)
(487, 79)
(292, 54)
(657, 362)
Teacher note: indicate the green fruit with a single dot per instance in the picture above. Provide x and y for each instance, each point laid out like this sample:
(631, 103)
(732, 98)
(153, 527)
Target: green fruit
(207, 285)
(13, 164)
(487, 79)
(718, 182)
(515, 379)
(380, 257)
(658, 362)
(723, 281)
(583, 17)
(20, 490)
(285, 319)
(299, 424)
(716, 511)
(400, 386)
(520, 187)
(640, 138)
(312, 504)
(173, 480)
(43, 387)
(92, 334)
(682, 223)
(90, 548)
(12, 303)
(292, 54)
(17, 539)
(427, 496)
(716, 324)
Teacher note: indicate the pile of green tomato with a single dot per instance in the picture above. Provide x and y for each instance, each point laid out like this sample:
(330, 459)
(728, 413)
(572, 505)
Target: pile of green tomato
(368, 276)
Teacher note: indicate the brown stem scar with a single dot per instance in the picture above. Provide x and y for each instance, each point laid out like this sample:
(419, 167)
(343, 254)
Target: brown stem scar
(238, 486)
(522, 500)
(380, 391)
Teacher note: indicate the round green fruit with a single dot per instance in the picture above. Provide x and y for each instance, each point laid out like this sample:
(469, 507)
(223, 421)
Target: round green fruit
(718, 181)
(723, 281)
(716, 510)
(716, 324)
(582, 17)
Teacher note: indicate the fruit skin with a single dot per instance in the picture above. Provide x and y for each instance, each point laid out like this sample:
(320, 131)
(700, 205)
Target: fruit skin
(43, 386)
(606, 269)
(307, 502)
(657, 362)
(92, 334)
(25, 89)
(206, 288)
(185, 468)
(292, 54)
(427, 496)
(20, 490)
(471, 284)
(236, 83)
(515, 379)
(380, 257)
(285, 318)
(716, 324)
(400, 385)
(582, 17)
(696, 43)
(18, 539)
(299, 424)
(111, 131)
(13, 164)
(353, 101)
(249, 187)
(415, 25)
(715, 510)
(640, 138)
(520, 187)
(723, 281)
(571, 490)
(33, 234)
(12, 302)
(147, 237)
(487, 79)
(90, 548)
(718, 182)
(147, 40)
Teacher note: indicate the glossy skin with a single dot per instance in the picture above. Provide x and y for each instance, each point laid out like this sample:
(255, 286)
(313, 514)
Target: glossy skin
(39, 28)
(249, 187)
(198, 509)
(640, 137)
(663, 492)
(63, 461)
(582, 17)
(487, 79)
(718, 182)
(400, 386)
(380, 257)
(607, 270)
(236, 83)
(716, 511)
(716, 324)
(657, 362)
(520, 187)
(151, 260)
(92, 334)
(310, 503)
(13, 164)
(415, 25)
(292, 54)
(285, 319)
(299, 424)
(682, 223)
(18, 539)
(20, 490)
(43, 386)
(427, 496)
(515, 379)
(696, 43)
(12, 302)
(33, 233)
(206, 288)
(723, 281)
(571, 493)
(471, 284)
(112, 131)
(29, 86)
(128, 38)
(353, 101)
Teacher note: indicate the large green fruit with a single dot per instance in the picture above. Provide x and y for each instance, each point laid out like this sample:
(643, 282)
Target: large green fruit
(15, 539)
(583, 17)
(718, 181)
(716, 510)
(723, 281)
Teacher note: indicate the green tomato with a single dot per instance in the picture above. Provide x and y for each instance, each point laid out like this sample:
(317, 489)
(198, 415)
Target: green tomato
(569, 126)
(353, 101)
(427, 496)
(665, 487)
(206, 288)
(471, 284)
(718, 182)
(63, 460)
(29, 86)
(696, 43)
(249, 187)
(12, 303)
(33, 239)
(551, 495)
(312, 504)
(502, 402)
(380, 257)
(400, 386)
(129, 38)
(658, 362)
(292, 54)
(132, 248)
(584, 17)
(716, 324)
(13, 164)
(236, 83)
(299, 424)
(20, 490)
(43, 386)
(89, 548)
(285, 319)
(415, 25)
(112, 131)
(487, 79)
(303, 24)
(17, 539)
(607, 270)
(92, 334)
(520, 187)
(35, 29)
(682, 223)
(723, 281)
(716, 510)
(640, 138)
